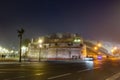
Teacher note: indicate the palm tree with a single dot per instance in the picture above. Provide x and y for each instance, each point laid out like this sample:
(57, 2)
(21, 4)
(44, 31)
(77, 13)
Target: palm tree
(20, 33)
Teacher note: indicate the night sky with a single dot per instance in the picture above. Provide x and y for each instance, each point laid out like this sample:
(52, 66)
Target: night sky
(93, 19)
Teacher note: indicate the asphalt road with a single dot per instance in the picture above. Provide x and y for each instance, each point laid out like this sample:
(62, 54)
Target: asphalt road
(89, 70)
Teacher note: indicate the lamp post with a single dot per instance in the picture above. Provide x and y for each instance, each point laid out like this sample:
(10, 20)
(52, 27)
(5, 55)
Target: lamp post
(40, 52)
(20, 34)
(40, 41)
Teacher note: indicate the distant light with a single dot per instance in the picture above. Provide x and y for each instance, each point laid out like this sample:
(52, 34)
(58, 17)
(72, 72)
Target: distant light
(115, 48)
(40, 41)
(99, 57)
(99, 44)
(24, 49)
(40, 45)
(11, 51)
(95, 48)
(77, 40)
(88, 59)
(112, 50)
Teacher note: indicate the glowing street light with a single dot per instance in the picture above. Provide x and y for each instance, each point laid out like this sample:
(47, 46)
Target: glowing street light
(77, 40)
(24, 49)
(40, 41)
(114, 49)
(95, 48)
(40, 45)
(99, 44)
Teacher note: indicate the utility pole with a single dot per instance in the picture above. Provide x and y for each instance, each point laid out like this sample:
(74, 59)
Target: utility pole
(20, 34)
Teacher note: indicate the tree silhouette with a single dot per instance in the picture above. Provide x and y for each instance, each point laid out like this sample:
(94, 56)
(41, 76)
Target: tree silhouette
(25, 42)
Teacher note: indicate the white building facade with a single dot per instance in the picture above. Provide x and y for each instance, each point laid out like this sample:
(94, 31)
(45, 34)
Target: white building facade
(57, 47)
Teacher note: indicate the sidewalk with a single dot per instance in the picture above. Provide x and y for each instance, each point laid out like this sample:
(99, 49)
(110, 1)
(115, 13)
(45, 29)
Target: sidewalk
(16, 61)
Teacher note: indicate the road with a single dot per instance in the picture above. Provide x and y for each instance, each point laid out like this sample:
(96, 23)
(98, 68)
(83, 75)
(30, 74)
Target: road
(89, 70)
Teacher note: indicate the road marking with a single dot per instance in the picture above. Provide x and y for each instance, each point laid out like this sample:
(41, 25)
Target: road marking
(114, 77)
(62, 75)
(39, 74)
(87, 69)
(83, 70)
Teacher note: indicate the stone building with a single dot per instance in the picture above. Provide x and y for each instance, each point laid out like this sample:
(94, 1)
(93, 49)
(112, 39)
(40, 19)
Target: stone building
(57, 47)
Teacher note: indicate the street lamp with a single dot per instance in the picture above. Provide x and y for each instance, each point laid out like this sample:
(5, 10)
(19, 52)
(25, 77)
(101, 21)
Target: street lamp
(99, 44)
(113, 49)
(40, 52)
(40, 41)
(95, 48)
